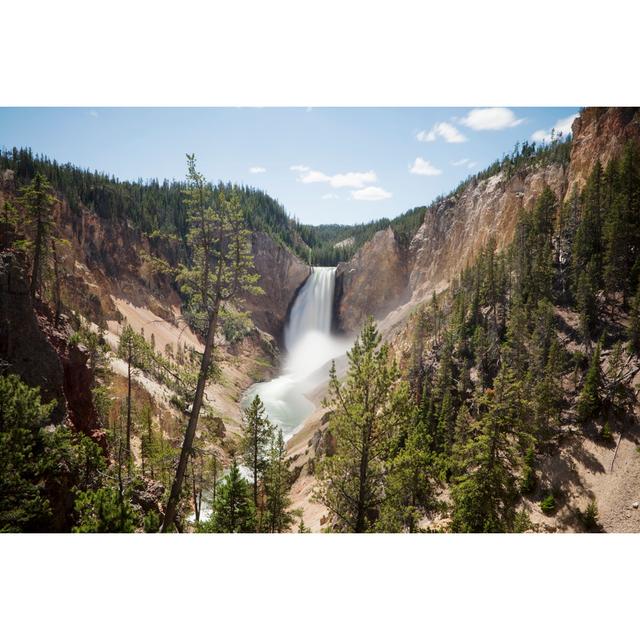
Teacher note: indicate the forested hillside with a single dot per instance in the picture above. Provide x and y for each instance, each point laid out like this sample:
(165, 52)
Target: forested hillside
(530, 354)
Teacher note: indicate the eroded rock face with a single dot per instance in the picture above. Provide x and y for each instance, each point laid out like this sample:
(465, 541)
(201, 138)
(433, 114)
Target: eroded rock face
(599, 134)
(371, 283)
(456, 229)
(24, 349)
(41, 354)
(281, 276)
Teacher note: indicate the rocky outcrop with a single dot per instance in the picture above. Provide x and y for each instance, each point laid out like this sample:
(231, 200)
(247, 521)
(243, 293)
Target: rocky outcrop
(41, 354)
(599, 133)
(281, 276)
(371, 283)
(455, 229)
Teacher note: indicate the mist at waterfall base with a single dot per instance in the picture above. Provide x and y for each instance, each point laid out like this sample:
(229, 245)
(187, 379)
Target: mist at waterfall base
(310, 348)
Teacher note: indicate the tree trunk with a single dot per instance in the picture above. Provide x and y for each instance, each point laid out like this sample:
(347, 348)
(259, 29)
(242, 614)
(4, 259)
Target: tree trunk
(190, 433)
(56, 272)
(129, 407)
(362, 498)
(195, 492)
(37, 257)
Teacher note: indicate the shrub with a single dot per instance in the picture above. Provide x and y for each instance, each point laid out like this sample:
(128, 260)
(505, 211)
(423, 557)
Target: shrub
(104, 511)
(236, 326)
(606, 434)
(589, 517)
(548, 504)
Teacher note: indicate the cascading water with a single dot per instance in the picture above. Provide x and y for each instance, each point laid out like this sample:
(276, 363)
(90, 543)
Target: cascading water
(310, 348)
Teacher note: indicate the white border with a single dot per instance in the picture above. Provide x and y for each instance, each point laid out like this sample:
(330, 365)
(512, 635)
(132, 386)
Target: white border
(319, 53)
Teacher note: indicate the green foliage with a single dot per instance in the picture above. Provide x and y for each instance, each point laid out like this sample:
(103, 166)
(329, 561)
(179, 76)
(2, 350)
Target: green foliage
(40, 464)
(485, 487)
(369, 408)
(104, 510)
(36, 200)
(276, 487)
(633, 332)
(409, 485)
(255, 442)
(548, 504)
(233, 509)
(589, 402)
(236, 325)
(23, 506)
(589, 517)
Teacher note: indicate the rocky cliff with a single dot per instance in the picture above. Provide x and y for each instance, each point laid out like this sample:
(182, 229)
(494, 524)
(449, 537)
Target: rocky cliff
(40, 352)
(454, 229)
(373, 282)
(281, 275)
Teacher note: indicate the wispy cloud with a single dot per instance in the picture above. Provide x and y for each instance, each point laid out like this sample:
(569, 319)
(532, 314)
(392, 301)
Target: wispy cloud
(491, 119)
(352, 179)
(423, 167)
(561, 128)
(371, 194)
(257, 170)
(464, 162)
(330, 196)
(93, 113)
(442, 130)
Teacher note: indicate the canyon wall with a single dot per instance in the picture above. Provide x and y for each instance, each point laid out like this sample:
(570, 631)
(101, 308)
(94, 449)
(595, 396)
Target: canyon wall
(454, 229)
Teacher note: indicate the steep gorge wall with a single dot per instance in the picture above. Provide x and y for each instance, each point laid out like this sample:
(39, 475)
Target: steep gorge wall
(106, 259)
(456, 228)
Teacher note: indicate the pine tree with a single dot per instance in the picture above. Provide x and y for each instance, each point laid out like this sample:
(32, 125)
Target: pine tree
(587, 301)
(633, 332)
(485, 487)
(104, 511)
(133, 349)
(221, 270)
(589, 401)
(276, 486)
(368, 407)
(233, 510)
(38, 201)
(257, 433)
(408, 486)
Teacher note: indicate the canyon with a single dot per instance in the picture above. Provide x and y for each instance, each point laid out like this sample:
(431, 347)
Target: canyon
(109, 279)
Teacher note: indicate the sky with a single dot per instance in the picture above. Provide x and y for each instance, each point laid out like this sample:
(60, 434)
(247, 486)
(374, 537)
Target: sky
(325, 165)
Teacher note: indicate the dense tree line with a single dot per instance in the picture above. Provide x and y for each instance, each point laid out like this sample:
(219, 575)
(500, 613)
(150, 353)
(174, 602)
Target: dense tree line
(495, 371)
(158, 207)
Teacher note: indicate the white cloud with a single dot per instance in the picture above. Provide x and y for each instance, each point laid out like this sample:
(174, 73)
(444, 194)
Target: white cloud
(423, 167)
(491, 119)
(330, 196)
(561, 127)
(257, 170)
(442, 130)
(371, 194)
(353, 179)
(93, 113)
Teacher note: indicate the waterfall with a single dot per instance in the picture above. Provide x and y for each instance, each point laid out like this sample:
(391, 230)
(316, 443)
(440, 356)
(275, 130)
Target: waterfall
(310, 347)
(313, 307)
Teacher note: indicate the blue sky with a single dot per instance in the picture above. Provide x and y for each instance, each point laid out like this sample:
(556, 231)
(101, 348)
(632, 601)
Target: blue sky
(324, 165)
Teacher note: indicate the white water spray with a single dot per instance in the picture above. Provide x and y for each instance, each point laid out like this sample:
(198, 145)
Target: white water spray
(310, 349)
